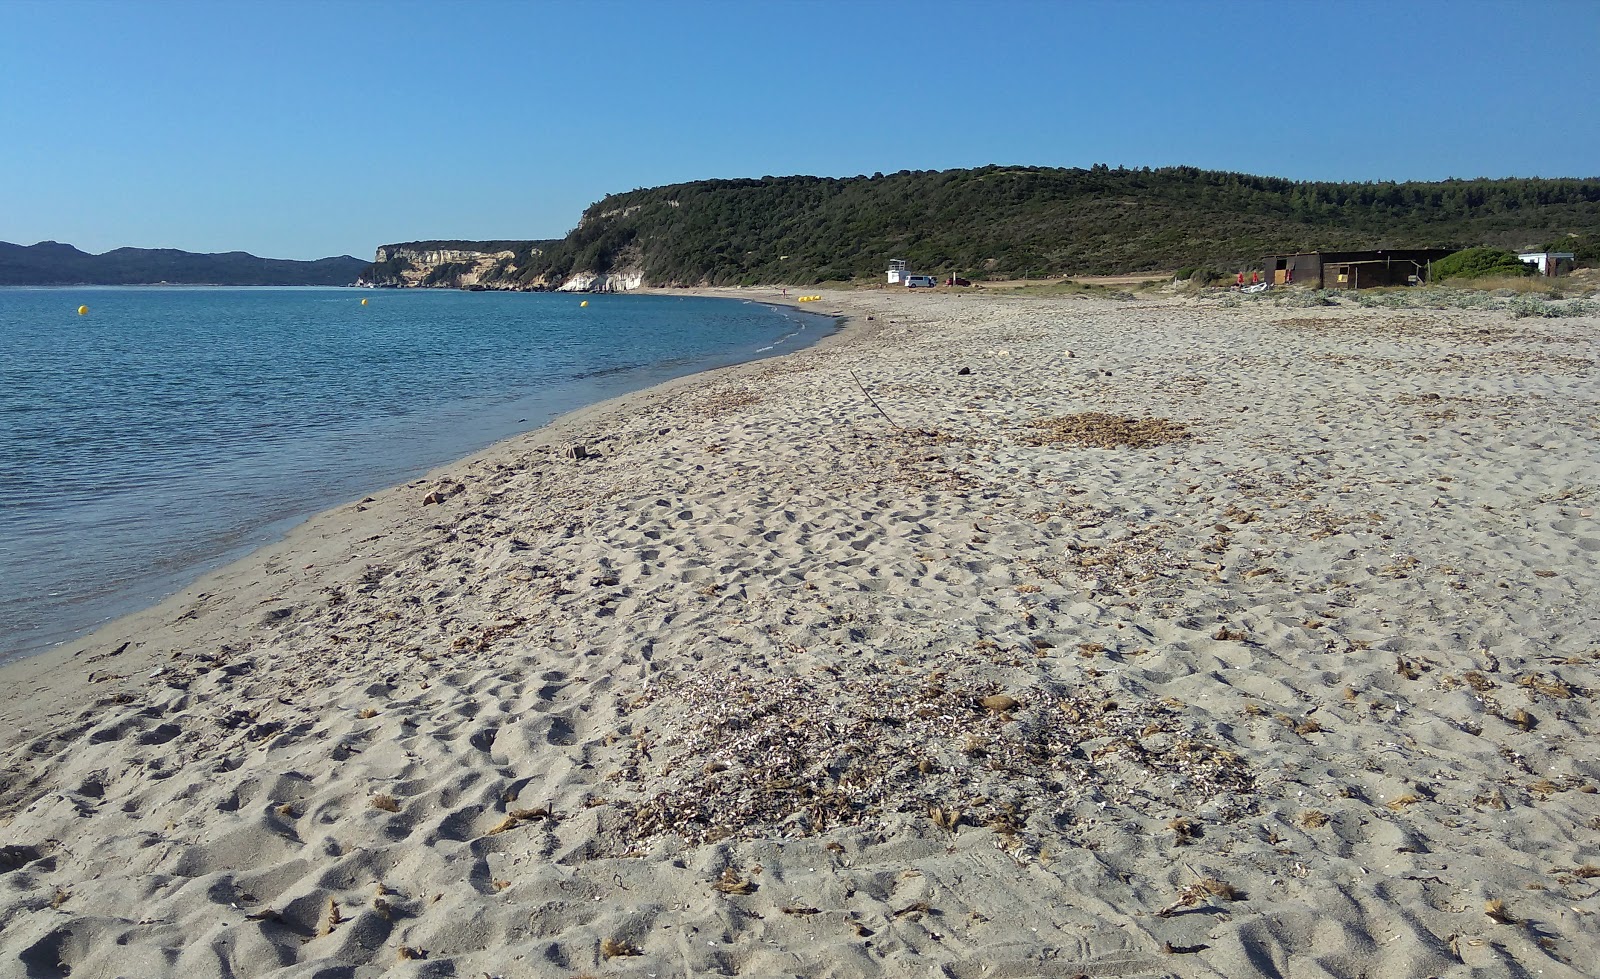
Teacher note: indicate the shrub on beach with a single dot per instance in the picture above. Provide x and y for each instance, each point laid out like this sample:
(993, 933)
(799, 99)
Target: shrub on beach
(1193, 279)
(1521, 304)
(1475, 263)
(1306, 298)
(1525, 306)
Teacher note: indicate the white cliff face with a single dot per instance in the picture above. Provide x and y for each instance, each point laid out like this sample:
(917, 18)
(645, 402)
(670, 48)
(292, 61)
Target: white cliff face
(440, 256)
(620, 212)
(612, 282)
(422, 263)
(454, 268)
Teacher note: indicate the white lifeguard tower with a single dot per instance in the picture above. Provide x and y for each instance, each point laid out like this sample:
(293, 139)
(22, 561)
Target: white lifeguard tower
(897, 271)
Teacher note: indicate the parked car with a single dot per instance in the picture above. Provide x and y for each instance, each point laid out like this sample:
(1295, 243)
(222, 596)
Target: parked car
(920, 282)
(957, 281)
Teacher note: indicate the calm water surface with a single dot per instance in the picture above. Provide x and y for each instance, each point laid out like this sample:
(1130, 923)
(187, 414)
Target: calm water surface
(171, 429)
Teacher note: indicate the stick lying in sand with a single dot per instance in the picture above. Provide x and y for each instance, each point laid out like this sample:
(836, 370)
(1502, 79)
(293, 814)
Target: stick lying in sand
(875, 404)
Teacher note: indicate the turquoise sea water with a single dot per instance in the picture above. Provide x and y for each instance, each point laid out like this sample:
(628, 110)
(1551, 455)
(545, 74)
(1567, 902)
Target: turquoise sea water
(171, 429)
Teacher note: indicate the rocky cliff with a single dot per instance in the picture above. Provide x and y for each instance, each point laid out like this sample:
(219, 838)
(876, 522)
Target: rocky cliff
(498, 265)
(449, 264)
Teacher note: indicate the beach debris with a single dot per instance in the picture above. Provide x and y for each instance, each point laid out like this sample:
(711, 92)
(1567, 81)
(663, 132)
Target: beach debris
(1549, 686)
(1494, 800)
(406, 953)
(874, 402)
(1497, 911)
(731, 883)
(1313, 819)
(481, 641)
(443, 492)
(1200, 892)
(612, 948)
(1000, 703)
(1184, 830)
(577, 452)
(331, 919)
(945, 819)
(963, 372)
(1543, 789)
(724, 400)
(517, 817)
(1094, 429)
(799, 757)
(801, 911)
(385, 802)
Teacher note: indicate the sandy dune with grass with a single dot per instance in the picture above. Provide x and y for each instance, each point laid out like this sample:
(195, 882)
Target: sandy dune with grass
(996, 637)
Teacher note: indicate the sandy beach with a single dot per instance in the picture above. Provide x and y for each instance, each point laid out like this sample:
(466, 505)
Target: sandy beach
(993, 637)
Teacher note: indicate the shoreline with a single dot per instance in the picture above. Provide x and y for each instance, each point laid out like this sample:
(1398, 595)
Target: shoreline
(148, 590)
(1295, 676)
(34, 672)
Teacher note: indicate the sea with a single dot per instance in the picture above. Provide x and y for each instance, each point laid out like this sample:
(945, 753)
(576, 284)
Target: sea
(165, 431)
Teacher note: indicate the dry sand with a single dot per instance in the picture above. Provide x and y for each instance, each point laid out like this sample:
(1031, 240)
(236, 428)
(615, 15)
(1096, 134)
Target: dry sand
(952, 681)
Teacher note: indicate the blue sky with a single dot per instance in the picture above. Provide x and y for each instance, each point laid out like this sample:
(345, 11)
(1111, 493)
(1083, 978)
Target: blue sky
(299, 130)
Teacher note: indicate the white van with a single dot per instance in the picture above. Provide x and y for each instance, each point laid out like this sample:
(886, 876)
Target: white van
(920, 282)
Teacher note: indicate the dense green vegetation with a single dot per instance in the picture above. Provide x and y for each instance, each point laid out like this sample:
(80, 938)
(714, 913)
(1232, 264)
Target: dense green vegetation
(52, 263)
(1584, 247)
(1033, 221)
(1475, 263)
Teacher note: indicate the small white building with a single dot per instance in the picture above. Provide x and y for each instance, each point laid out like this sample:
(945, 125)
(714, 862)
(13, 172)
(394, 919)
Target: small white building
(897, 271)
(1549, 263)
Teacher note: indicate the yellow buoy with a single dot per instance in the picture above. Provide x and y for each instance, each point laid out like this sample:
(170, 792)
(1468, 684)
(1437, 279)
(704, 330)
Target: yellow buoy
(83, 311)
(363, 302)
(584, 303)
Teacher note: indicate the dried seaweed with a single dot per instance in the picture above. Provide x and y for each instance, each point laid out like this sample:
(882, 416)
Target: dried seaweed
(1094, 429)
(741, 757)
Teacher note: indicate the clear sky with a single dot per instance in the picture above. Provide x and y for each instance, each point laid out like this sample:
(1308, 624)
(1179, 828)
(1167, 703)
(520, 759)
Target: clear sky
(300, 130)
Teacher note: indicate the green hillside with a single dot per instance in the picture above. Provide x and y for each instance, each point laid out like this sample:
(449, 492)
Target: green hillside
(1033, 221)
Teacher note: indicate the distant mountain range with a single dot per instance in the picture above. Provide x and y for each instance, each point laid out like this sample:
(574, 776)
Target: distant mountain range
(50, 263)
